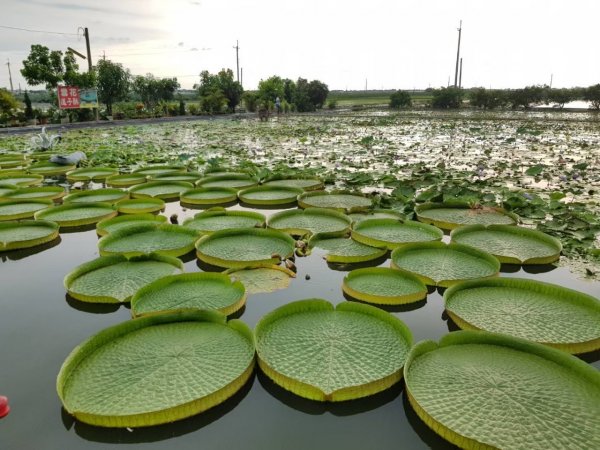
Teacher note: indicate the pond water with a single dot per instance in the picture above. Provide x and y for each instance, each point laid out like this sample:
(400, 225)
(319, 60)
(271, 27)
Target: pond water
(40, 325)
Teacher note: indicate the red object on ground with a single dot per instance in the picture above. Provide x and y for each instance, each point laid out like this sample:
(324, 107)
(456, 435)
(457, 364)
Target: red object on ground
(4, 408)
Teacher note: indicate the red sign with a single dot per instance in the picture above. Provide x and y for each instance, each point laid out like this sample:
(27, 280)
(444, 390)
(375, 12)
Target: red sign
(68, 97)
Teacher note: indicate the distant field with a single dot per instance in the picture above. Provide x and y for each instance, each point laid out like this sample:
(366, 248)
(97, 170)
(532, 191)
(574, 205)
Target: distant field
(368, 98)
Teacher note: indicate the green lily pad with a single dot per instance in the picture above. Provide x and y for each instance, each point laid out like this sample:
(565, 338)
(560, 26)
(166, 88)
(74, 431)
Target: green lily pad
(156, 369)
(327, 354)
(106, 195)
(190, 177)
(213, 220)
(307, 184)
(528, 309)
(376, 214)
(166, 239)
(483, 390)
(108, 226)
(340, 201)
(49, 168)
(269, 195)
(262, 279)
(510, 244)
(384, 286)
(77, 214)
(209, 196)
(236, 182)
(300, 222)
(438, 264)
(11, 161)
(7, 188)
(91, 173)
(140, 205)
(114, 279)
(167, 190)
(125, 180)
(393, 233)
(201, 290)
(22, 209)
(21, 179)
(47, 192)
(238, 248)
(448, 216)
(158, 170)
(346, 251)
(26, 234)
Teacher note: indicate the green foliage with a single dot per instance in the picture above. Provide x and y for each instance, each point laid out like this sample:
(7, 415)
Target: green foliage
(528, 96)
(592, 95)
(7, 101)
(113, 83)
(270, 89)
(250, 100)
(152, 90)
(400, 99)
(447, 98)
(213, 102)
(332, 103)
(562, 96)
(28, 108)
(289, 87)
(487, 98)
(214, 87)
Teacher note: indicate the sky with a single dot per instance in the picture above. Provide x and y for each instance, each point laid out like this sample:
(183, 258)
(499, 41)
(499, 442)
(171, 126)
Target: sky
(392, 44)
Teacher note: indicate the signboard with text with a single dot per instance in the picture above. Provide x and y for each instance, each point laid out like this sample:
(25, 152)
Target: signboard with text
(71, 97)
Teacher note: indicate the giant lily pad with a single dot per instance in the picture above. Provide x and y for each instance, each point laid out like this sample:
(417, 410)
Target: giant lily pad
(209, 196)
(7, 188)
(327, 354)
(384, 286)
(22, 209)
(269, 195)
(11, 161)
(26, 233)
(262, 279)
(107, 195)
(166, 239)
(236, 182)
(244, 247)
(158, 170)
(201, 290)
(167, 190)
(114, 279)
(510, 244)
(47, 192)
(77, 214)
(340, 201)
(448, 216)
(125, 180)
(107, 226)
(376, 214)
(50, 168)
(140, 205)
(91, 173)
(190, 177)
(393, 233)
(346, 251)
(483, 390)
(306, 184)
(541, 312)
(300, 222)
(213, 220)
(156, 369)
(438, 264)
(21, 179)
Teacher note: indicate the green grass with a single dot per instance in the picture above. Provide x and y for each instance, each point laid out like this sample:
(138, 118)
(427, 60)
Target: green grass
(371, 98)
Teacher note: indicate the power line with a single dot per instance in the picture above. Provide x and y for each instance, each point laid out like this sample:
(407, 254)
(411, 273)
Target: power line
(38, 31)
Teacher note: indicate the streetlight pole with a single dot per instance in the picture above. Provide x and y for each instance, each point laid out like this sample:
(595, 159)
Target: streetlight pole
(457, 55)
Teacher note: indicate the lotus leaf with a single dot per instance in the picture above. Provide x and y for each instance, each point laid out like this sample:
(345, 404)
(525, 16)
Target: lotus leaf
(381, 285)
(140, 205)
(234, 182)
(209, 196)
(26, 233)
(91, 173)
(107, 195)
(269, 195)
(190, 177)
(263, 279)
(448, 216)
(22, 209)
(341, 201)
(300, 222)
(376, 214)
(307, 184)
(393, 233)
(220, 219)
(343, 250)
(77, 214)
(166, 190)
(107, 226)
(21, 179)
(125, 180)
(158, 170)
(50, 168)
(48, 192)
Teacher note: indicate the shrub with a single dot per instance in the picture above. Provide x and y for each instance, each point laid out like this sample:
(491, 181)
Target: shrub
(332, 103)
(447, 98)
(400, 99)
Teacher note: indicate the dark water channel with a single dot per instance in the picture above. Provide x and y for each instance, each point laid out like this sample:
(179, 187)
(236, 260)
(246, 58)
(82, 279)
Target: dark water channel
(40, 325)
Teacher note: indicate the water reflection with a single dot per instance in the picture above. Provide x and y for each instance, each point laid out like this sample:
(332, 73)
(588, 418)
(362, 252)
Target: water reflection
(15, 255)
(347, 267)
(204, 207)
(433, 440)
(391, 308)
(529, 268)
(269, 207)
(94, 308)
(79, 229)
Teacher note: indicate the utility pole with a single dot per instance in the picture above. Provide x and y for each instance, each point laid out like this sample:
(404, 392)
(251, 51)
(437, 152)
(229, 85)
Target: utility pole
(242, 76)
(9, 75)
(457, 55)
(237, 59)
(104, 55)
(551, 77)
(87, 45)
(460, 75)
(366, 84)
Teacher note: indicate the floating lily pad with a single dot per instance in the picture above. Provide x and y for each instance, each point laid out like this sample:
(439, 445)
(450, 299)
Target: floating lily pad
(300, 222)
(307, 184)
(21, 179)
(158, 170)
(22, 209)
(213, 220)
(340, 201)
(209, 196)
(327, 354)
(448, 216)
(91, 173)
(483, 390)
(50, 168)
(107, 195)
(114, 279)
(108, 226)
(125, 180)
(77, 214)
(216, 172)
(510, 244)
(140, 205)
(167, 190)
(166, 239)
(238, 248)
(201, 290)
(190, 177)
(26, 234)
(156, 369)
(528, 309)
(262, 279)
(269, 195)
(12, 160)
(7, 188)
(393, 233)
(346, 251)
(47, 192)
(384, 286)
(236, 182)
(438, 264)
(376, 214)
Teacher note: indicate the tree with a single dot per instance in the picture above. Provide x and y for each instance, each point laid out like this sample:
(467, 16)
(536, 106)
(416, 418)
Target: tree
(113, 83)
(301, 98)
(487, 99)
(447, 98)
(289, 87)
(561, 96)
(220, 83)
(7, 101)
(152, 90)
(400, 99)
(28, 108)
(528, 96)
(250, 100)
(592, 95)
(270, 89)
(317, 93)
